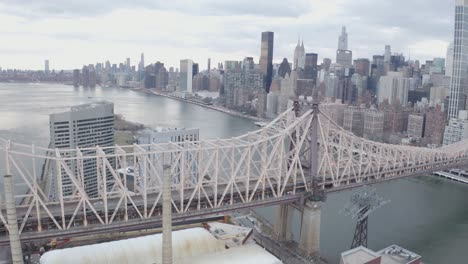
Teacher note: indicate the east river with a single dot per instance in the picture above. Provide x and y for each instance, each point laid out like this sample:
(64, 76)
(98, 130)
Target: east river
(427, 215)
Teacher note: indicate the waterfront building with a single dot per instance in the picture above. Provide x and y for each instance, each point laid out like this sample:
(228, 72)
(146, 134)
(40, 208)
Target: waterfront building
(46, 67)
(85, 76)
(76, 77)
(266, 58)
(185, 83)
(84, 126)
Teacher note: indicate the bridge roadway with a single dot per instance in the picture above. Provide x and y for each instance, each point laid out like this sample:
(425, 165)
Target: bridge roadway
(134, 223)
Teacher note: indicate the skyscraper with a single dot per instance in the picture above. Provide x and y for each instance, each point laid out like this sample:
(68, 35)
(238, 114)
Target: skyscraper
(310, 66)
(343, 39)
(344, 57)
(284, 68)
(185, 83)
(449, 61)
(266, 58)
(299, 56)
(459, 81)
(388, 53)
(209, 66)
(195, 69)
(46, 66)
(127, 64)
(84, 126)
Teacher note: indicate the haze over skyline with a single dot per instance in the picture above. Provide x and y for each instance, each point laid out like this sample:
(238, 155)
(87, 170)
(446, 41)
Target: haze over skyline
(71, 34)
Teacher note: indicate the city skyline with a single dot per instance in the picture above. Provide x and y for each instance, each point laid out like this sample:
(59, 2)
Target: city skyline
(117, 31)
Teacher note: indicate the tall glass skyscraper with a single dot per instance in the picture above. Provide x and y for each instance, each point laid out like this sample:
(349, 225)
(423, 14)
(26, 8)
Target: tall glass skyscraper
(266, 58)
(459, 81)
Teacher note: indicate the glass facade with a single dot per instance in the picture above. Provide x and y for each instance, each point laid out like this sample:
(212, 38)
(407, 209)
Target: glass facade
(458, 84)
(266, 58)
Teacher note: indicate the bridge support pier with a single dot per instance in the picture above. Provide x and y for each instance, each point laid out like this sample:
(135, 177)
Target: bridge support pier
(15, 243)
(309, 241)
(282, 224)
(167, 218)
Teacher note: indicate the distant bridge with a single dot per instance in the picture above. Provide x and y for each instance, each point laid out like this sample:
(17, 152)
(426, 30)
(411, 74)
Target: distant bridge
(295, 158)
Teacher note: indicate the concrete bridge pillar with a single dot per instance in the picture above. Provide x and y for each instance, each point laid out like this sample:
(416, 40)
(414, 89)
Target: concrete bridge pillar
(15, 243)
(310, 229)
(282, 224)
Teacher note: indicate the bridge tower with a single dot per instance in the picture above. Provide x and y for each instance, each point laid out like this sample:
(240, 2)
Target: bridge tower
(12, 226)
(310, 206)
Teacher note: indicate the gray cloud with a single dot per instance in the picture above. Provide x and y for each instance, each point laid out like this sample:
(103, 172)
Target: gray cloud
(57, 8)
(371, 25)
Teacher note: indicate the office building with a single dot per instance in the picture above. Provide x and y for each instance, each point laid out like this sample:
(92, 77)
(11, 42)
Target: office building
(344, 57)
(362, 67)
(459, 81)
(299, 56)
(393, 88)
(185, 83)
(373, 124)
(266, 58)
(435, 126)
(284, 68)
(195, 69)
(449, 61)
(326, 64)
(353, 120)
(310, 67)
(387, 54)
(84, 126)
(343, 39)
(416, 125)
(457, 129)
(46, 67)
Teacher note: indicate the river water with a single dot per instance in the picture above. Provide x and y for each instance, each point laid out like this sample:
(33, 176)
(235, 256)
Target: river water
(426, 215)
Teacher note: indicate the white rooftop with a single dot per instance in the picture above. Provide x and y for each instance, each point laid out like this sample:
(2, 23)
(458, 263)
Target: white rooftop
(358, 255)
(190, 246)
(397, 255)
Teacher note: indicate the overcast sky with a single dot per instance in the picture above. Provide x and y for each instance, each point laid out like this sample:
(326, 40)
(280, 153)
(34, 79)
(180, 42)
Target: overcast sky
(73, 33)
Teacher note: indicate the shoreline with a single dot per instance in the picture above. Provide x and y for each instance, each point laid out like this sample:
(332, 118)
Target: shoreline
(212, 107)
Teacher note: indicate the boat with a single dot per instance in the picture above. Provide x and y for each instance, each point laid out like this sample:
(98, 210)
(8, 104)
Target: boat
(261, 124)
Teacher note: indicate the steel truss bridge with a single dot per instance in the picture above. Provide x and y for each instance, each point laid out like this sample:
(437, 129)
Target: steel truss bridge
(291, 159)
